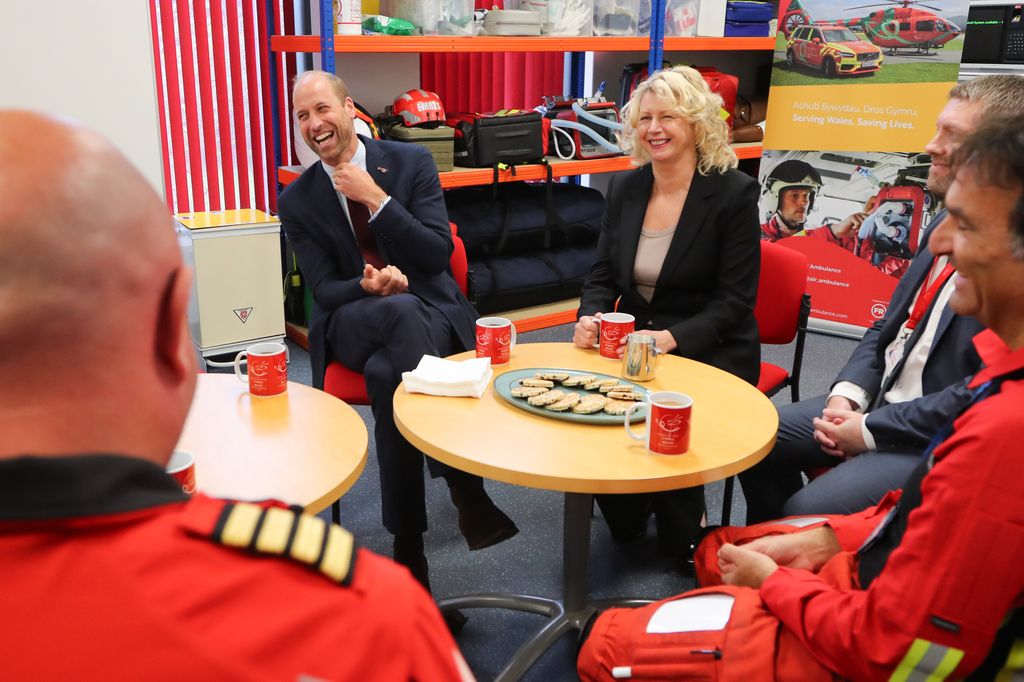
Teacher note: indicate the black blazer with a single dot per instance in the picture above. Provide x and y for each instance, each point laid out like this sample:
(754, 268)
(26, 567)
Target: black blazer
(952, 358)
(706, 291)
(412, 233)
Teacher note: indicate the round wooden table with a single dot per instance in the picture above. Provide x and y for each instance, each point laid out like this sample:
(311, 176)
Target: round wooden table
(303, 447)
(733, 427)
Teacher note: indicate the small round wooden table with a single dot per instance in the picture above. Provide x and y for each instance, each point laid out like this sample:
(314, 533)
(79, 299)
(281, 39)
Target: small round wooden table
(303, 447)
(733, 427)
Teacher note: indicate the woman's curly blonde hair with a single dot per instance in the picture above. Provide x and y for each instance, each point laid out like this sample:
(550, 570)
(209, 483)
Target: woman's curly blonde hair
(684, 89)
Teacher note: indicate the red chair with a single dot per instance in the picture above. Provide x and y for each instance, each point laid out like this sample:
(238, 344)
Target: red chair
(343, 383)
(782, 309)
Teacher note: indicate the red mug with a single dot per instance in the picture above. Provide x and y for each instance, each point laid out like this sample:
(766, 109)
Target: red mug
(611, 328)
(182, 467)
(268, 368)
(668, 422)
(495, 339)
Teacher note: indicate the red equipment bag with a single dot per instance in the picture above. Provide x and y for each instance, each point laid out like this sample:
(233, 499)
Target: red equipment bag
(723, 84)
(648, 643)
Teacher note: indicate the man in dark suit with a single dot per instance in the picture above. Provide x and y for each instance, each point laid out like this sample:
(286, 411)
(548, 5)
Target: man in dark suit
(905, 378)
(371, 232)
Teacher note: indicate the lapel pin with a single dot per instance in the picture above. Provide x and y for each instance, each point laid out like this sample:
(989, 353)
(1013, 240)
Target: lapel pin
(382, 169)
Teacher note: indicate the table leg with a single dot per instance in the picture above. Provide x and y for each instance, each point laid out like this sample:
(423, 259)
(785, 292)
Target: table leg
(568, 615)
(727, 500)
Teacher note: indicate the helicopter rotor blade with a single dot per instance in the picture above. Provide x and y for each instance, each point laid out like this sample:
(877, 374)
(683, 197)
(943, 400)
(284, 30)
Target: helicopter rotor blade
(868, 6)
(937, 9)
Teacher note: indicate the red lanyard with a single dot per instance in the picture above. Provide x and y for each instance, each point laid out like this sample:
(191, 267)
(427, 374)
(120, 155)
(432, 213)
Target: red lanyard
(928, 293)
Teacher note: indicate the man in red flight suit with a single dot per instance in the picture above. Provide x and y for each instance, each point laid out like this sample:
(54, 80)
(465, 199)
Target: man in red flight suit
(926, 587)
(792, 186)
(108, 570)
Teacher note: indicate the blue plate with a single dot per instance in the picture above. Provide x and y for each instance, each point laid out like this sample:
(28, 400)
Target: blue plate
(504, 383)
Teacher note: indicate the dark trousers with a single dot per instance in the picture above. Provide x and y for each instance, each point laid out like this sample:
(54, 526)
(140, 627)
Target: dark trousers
(774, 488)
(677, 515)
(383, 336)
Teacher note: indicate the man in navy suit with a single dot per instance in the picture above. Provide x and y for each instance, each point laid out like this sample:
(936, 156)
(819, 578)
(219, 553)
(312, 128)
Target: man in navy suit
(370, 228)
(905, 378)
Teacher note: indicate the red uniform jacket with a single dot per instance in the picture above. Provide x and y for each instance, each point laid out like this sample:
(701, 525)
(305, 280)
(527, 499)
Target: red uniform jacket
(109, 572)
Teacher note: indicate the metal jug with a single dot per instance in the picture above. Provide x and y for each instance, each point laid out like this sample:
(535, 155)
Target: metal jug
(640, 360)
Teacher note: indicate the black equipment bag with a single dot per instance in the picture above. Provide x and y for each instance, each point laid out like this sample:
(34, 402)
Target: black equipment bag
(517, 217)
(483, 140)
(520, 281)
(632, 76)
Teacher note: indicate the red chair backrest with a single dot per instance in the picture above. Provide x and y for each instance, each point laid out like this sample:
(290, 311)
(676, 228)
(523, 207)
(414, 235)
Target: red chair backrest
(780, 289)
(459, 262)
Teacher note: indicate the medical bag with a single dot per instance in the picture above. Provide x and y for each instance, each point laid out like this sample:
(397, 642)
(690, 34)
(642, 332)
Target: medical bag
(439, 141)
(519, 217)
(725, 85)
(513, 281)
(722, 84)
(632, 76)
(511, 137)
(746, 18)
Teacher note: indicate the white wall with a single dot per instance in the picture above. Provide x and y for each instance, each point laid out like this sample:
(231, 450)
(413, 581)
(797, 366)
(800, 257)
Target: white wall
(88, 59)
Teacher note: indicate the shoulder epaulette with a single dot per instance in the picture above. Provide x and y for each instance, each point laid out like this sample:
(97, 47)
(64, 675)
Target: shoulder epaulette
(290, 533)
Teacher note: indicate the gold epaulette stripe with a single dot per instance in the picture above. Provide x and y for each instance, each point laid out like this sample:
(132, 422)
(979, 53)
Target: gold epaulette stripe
(285, 532)
(309, 538)
(338, 554)
(240, 525)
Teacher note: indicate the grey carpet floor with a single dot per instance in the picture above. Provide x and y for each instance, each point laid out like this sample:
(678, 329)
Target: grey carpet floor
(531, 562)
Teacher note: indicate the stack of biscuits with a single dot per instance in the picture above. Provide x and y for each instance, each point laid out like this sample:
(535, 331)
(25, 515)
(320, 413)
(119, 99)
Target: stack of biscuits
(610, 397)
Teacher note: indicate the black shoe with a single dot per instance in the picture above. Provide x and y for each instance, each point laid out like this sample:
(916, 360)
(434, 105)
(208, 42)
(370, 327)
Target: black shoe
(455, 620)
(481, 523)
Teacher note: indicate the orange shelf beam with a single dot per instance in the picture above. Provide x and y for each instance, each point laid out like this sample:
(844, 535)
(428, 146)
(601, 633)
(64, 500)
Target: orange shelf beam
(471, 177)
(511, 44)
(730, 43)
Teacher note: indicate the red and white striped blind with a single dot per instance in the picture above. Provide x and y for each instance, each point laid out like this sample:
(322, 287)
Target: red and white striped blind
(214, 91)
(211, 61)
(487, 81)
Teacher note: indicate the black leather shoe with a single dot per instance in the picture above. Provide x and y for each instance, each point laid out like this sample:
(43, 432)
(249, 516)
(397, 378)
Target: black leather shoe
(481, 523)
(455, 620)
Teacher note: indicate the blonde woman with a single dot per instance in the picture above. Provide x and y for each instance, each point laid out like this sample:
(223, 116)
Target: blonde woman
(679, 250)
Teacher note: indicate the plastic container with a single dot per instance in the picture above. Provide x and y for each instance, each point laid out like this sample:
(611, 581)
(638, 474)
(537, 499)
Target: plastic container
(680, 18)
(433, 17)
(561, 17)
(348, 17)
(616, 17)
(422, 13)
(512, 22)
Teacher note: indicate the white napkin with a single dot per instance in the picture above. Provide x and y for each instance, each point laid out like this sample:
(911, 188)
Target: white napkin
(436, 376)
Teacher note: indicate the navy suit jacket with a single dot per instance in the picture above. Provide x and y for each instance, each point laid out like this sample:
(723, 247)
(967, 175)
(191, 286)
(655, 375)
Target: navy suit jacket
(412, 233)
(707, 287)
(951, 360)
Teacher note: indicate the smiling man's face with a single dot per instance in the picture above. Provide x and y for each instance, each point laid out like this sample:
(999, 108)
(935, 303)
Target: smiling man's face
(325, 121)
(956, 121)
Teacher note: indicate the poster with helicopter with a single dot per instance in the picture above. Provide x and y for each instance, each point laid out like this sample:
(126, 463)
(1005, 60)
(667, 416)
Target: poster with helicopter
(857, 216)
(874, 74)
